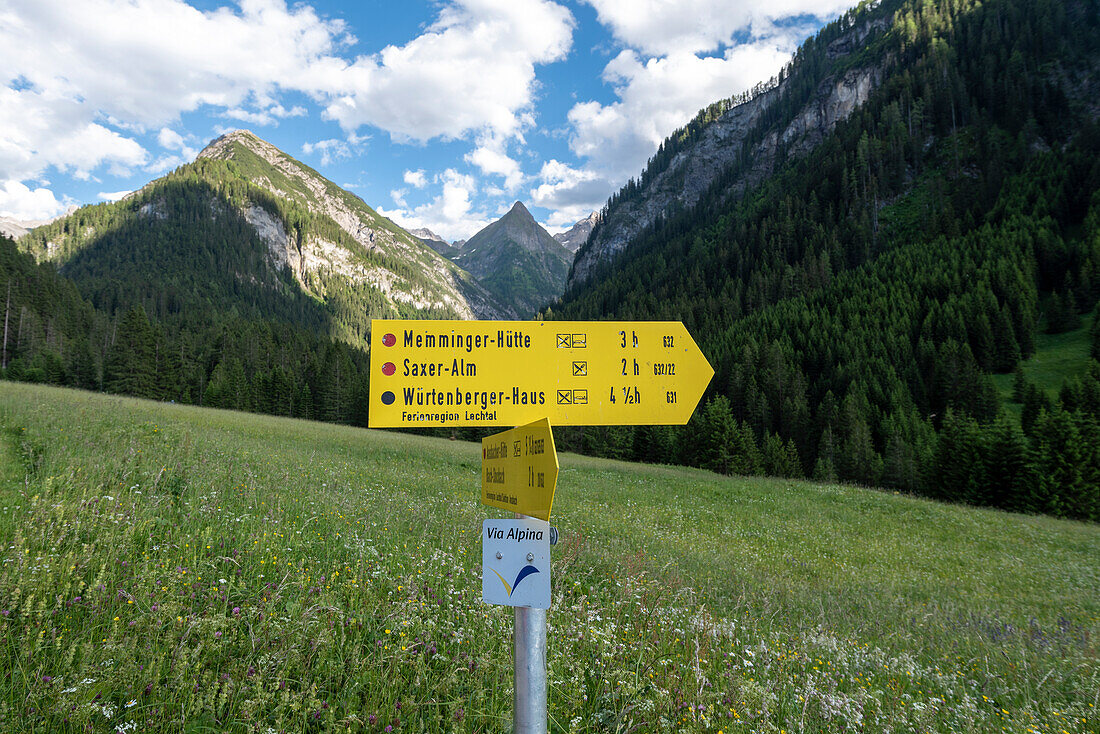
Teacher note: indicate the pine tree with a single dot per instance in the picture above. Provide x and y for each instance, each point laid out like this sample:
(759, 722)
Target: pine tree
(1006, 350)
(1019, 384)
(780, 458)
(859, 461)
(82, 369)
(1061, 314)
(1035, 401)
(712, 441)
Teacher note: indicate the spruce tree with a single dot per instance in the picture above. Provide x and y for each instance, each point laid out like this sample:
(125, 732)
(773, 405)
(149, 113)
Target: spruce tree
(1061, 458)
(130, 367)
(958, 473)
(1008, 474)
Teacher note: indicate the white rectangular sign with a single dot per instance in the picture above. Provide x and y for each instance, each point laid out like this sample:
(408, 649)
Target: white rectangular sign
(515, 562)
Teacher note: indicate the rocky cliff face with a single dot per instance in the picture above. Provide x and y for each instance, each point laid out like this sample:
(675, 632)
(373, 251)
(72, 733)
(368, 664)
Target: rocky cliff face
(574, 237)
(443, 285)
(695, 169)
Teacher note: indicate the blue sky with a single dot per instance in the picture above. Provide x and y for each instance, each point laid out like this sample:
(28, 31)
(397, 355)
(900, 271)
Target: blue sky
(438, 114)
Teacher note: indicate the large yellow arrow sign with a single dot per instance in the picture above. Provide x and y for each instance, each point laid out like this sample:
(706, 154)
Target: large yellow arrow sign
(576, 373)
(519, 470)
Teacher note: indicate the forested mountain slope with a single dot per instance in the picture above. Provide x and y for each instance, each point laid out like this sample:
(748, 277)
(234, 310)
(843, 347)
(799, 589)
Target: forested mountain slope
(52, 334)
(242, 280)
(855, 302)
(249, 229)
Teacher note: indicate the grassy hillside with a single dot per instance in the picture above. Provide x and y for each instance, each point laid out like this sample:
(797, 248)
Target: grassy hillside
(1057, 358)
(196, 570)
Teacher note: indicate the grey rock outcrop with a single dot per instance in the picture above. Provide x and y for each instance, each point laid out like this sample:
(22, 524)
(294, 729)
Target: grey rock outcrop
(577, 235)
(442, 284)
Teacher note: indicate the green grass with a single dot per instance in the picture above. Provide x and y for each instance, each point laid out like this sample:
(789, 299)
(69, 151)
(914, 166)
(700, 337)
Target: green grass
(1057, 358)
(171, 568)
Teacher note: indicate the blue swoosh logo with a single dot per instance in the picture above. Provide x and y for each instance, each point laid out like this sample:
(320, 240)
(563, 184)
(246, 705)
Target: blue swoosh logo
(523, 573)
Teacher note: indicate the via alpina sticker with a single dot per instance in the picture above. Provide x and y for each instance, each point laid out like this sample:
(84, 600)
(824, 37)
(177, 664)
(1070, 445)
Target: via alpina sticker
(515, 562)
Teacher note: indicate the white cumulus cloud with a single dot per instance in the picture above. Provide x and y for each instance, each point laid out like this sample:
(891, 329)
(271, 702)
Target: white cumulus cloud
(84, 81)
(23, 203)
(569, 193)
(491, 157)
(663, 27)
(416, 178)
(450, 214)
(472, 70)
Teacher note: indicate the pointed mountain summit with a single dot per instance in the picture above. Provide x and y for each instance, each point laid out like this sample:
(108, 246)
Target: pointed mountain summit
(517, 261)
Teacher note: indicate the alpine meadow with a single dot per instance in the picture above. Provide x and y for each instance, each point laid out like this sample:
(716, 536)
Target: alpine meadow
(883, 515)
(174, 568)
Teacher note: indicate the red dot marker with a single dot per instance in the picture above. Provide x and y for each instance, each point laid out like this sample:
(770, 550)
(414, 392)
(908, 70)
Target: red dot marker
(388, 369)
(389, 340)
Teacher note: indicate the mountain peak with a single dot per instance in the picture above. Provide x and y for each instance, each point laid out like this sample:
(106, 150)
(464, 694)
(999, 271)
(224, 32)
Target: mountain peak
(517, 260)
(520, 209)
(221, 146)
(575, 236)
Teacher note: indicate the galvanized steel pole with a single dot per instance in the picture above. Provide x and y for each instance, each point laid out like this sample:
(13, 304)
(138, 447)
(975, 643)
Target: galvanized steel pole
(529, 713)
(529, 701)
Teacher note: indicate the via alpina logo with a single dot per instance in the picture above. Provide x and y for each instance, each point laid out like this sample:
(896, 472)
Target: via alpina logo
(523, 573)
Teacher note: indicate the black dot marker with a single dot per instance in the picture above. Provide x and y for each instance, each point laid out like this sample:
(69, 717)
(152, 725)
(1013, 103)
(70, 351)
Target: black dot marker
(388, 398)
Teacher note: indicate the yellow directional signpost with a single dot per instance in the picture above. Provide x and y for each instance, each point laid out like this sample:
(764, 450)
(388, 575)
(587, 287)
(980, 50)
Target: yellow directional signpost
(529, 374)
(575, 373)
(519, 470)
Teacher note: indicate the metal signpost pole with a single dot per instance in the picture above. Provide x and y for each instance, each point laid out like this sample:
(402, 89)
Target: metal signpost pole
(529, 713)
(529, 658)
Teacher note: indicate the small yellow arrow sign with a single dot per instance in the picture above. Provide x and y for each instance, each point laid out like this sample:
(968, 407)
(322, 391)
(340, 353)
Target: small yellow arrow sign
(577, 373)
(519, 470)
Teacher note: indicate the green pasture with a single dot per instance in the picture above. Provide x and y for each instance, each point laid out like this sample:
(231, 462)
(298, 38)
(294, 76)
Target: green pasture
(173, 568)
(1057, 358)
